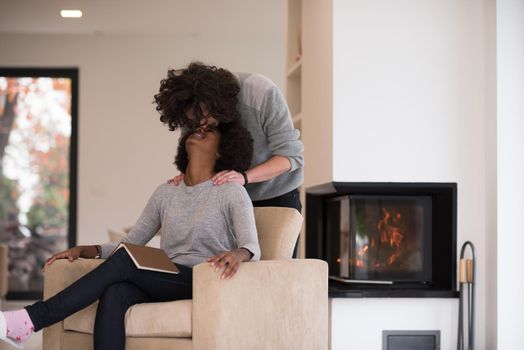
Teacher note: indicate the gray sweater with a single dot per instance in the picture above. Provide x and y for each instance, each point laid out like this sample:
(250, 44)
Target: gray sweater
(265, 114)
(196, 222)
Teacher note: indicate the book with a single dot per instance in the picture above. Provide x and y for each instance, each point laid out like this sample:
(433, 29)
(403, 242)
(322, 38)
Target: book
(149, 258)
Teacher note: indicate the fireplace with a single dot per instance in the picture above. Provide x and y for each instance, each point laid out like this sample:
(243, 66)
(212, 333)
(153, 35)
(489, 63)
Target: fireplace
(384, 239)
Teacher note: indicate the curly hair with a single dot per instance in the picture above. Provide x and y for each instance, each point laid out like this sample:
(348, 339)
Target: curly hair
(235, 149)
(187, 88)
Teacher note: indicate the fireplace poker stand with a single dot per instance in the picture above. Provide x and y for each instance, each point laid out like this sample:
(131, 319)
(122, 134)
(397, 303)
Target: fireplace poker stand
(467, 279)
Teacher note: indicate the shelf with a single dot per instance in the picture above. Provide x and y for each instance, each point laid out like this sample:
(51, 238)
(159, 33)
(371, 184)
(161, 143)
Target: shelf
(295, 71)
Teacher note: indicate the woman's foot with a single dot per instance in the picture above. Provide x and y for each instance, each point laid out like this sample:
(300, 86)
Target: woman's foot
(15, 327)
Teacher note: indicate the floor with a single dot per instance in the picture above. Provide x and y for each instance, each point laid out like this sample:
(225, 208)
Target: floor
(35, 342)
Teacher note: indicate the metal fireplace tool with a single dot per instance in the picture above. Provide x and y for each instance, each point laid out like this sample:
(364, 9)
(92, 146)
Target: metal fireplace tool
(467, 281)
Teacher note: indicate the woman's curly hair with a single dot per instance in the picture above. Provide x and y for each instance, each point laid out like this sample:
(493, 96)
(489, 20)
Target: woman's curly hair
(235, 149)
(184, 89)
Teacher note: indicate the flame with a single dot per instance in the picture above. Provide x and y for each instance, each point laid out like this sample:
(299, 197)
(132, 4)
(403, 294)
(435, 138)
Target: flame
(389, 241)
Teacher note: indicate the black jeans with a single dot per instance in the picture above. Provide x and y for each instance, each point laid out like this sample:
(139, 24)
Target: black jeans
(118, 284)
(287, 200)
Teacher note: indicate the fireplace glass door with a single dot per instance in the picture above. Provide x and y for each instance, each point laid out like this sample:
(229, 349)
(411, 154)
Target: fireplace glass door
(380, 238)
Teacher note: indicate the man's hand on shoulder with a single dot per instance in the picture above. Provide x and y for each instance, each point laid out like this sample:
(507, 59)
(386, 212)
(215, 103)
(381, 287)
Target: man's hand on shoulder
(226, 176)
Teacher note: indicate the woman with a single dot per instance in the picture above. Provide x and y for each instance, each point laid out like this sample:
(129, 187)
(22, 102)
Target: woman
(199, 222)
(201, 95)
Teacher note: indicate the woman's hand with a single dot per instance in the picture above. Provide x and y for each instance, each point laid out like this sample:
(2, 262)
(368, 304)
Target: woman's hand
(228, 176)
(74, 253)
(227, 263)
(176, 180)
(70, 254)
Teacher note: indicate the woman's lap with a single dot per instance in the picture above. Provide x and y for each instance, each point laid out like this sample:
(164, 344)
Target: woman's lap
(118, 268)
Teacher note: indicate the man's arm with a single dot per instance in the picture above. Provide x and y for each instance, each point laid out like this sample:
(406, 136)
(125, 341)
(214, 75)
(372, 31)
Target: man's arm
(271, 168)
(282, 138)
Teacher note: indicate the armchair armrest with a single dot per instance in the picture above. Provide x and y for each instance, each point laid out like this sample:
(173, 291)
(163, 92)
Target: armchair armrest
(58, 276)
(269, 304)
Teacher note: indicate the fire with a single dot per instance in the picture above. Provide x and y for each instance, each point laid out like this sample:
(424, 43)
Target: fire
(387, 247)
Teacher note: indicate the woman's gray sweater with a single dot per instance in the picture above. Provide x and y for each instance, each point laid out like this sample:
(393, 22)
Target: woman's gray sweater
(196, 222)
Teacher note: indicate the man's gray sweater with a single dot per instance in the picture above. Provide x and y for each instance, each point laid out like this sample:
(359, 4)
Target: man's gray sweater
(196, 222)
(265, 114)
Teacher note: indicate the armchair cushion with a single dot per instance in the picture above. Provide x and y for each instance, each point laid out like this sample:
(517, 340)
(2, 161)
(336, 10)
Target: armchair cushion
(278, 230)
(166, 319)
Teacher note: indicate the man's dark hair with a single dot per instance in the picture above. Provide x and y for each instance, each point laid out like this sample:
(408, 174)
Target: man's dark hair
(235, 149)
(186, 88)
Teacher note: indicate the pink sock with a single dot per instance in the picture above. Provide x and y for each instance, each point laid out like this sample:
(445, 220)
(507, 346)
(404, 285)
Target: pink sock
(19, 325)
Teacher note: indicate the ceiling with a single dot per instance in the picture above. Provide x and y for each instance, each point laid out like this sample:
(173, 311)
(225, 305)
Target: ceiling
(171, 17)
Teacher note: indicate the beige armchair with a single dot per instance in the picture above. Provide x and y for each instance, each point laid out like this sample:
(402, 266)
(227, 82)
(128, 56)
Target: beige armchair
(275, 303)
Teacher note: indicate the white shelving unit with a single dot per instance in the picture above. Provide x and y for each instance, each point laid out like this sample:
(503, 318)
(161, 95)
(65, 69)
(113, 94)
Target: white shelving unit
(309, 87)
(294, 60)
(294, 80)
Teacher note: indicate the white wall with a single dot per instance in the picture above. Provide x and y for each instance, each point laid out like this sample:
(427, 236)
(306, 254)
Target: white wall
(124, 150)
(371, 316)
(408, 105)
(510, 175)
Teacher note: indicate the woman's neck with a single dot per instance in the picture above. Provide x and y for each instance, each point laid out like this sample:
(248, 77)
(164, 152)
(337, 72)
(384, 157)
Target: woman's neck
(197, 174)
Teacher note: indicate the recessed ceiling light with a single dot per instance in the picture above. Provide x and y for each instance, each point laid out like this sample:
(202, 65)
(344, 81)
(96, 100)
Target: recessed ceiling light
(71, 13)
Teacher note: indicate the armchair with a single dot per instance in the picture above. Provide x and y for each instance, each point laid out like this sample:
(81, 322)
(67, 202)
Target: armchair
(275, 303)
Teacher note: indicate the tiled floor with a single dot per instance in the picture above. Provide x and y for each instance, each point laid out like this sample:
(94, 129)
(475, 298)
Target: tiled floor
(35, 342)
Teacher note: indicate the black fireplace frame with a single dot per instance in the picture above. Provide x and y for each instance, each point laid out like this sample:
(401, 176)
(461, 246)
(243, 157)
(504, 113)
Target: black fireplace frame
(444, 239)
